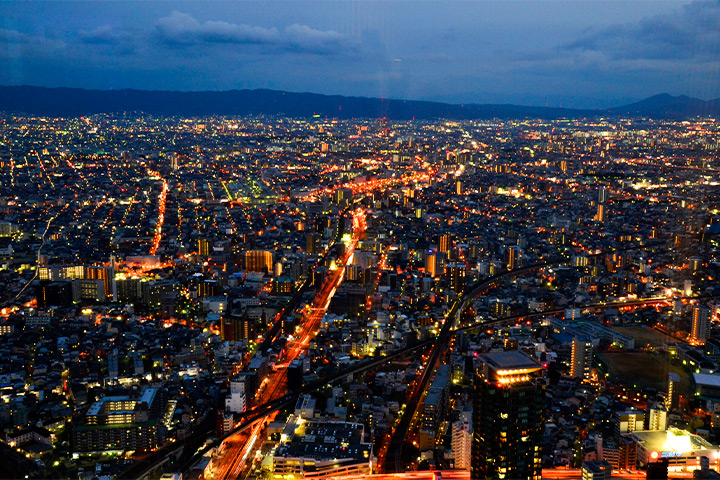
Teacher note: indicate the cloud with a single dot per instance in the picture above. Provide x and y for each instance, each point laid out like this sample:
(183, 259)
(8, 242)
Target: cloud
(309, 39)
(182, 28)
(14, 38)
(101, 35)
(691, 32)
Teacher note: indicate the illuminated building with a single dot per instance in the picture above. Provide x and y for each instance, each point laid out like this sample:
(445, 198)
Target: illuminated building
(343, 197)
(700, 324)
(657, 419)
(353, 273)
(258, 261)
(514, 257)
(459, 187)
(444, 243)
(456, 277)
(431, 264)
(629, 421)
(581, 358)
(283, 286)
(673, 395)
(311, 244)
(462, 442)
(508, 416)
(310, 449)
(204, 247)
(681, 449)
(121, 423)
(600, 216)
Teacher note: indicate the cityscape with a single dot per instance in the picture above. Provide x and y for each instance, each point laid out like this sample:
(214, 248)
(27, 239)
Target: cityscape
(373, 240)
(312, 298)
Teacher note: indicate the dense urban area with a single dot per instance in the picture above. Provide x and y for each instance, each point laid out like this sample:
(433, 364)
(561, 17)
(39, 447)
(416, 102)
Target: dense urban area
(276, 298)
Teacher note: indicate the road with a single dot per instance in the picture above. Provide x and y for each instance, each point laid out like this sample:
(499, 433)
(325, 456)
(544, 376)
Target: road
(239, 446)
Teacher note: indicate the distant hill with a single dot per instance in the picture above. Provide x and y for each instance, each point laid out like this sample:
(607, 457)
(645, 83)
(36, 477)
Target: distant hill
(668, 106)
(72, 102)
(77, 102)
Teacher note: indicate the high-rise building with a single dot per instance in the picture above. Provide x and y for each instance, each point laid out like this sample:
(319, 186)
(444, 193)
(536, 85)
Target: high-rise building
(514, 257)
(343, 196)
(311, 245)
(431, 264)
(508, 415)
(600, 216)
(581, 358)
(204, 247)
(258, 261)
(657, 419)
(700, 324)
(462, 443)
(603, 195)
(444, 243)
(459, 187)
(673, 396)
(456, 277)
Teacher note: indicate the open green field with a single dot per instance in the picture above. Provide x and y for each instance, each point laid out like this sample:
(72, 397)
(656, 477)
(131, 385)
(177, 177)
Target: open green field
(644, 370)
(645, 335)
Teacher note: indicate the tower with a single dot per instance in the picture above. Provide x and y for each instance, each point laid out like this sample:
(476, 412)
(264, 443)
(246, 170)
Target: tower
(508, 413)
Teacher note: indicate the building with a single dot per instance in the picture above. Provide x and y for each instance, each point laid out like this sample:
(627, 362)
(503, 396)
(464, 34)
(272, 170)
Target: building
(600, 216)
(681, 449)
(120, 423)
(581, 358)
(259, 261)
(436, 400)
(462, 442)
(508, 414)
(598, 470)
(514, 257)
(431, 264)
(321, 450)
(343, 197)
(444, 243)
(700, 330)
(673, 396)
(657, 419)
(603, 195)
(629, 421)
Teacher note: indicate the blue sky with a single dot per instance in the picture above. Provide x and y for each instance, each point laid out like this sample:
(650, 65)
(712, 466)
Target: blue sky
(583, 53)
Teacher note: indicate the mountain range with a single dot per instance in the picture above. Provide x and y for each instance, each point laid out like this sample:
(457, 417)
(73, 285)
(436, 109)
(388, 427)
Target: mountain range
(72, 102)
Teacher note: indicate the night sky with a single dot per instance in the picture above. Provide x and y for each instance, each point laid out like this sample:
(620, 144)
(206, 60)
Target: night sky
(556, 53)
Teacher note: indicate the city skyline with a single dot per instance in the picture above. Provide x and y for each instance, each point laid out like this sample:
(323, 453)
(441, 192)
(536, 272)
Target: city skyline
(570, 54)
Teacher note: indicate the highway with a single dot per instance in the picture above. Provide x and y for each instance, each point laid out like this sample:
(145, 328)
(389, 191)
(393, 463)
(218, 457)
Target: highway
(239, 446)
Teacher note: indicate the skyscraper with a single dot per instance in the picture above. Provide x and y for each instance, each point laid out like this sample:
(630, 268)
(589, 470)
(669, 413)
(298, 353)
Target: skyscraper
(508, 415)
(700, 324)
(581, 358)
